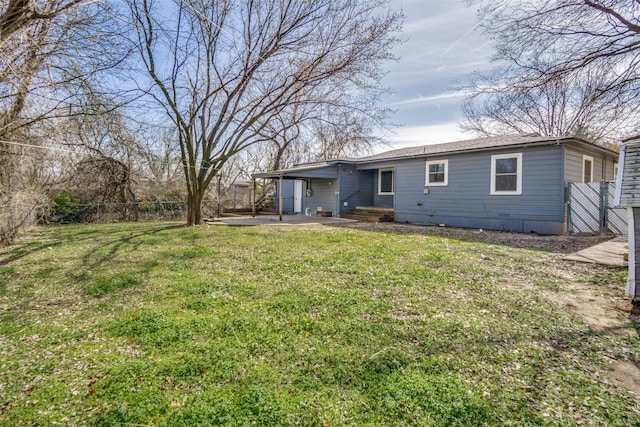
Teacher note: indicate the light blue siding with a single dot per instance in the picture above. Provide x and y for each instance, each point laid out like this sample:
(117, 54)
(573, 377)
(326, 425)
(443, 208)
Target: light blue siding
(385, 200)
(322, 196)
(356, 188)
(466, 200)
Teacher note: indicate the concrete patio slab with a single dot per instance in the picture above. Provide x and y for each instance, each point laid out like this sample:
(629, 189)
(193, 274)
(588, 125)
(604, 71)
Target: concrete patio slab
(611, 253)
(275, 220)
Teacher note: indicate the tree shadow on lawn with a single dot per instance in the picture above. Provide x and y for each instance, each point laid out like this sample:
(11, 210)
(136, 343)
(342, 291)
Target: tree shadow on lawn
(116, 245)
(19, 251)
(16, 252)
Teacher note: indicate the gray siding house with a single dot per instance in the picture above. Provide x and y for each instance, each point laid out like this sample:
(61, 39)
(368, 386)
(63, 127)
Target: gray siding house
(515, 183)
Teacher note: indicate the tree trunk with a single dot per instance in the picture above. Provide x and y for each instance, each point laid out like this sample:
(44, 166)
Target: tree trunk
(194, 209)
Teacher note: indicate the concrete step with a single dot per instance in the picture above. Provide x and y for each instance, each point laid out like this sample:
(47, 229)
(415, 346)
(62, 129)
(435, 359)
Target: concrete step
(368, 215)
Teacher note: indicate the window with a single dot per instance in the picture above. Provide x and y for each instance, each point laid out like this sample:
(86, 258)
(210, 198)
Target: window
(506, 174)
(587, 169)
(385, 181)
(437, 173)
(615, 170)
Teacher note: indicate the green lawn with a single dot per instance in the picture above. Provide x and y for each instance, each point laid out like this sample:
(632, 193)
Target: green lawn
(159, 324)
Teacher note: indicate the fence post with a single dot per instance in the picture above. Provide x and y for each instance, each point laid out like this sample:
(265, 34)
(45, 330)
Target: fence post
(604, 206)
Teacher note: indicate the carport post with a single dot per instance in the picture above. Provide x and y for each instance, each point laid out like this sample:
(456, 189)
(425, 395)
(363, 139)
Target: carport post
(280, 196)
(253, 199)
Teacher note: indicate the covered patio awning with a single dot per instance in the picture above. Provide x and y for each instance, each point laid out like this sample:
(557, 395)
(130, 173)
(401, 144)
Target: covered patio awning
(326, 170)
(319, 170)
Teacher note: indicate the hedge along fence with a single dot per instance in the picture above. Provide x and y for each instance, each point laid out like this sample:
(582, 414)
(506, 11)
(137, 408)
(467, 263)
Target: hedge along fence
(68, 213)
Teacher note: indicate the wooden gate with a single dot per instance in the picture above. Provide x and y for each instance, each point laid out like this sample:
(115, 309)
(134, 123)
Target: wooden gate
(590, 209)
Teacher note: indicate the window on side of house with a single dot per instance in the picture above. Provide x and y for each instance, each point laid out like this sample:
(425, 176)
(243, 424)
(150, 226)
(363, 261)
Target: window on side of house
(385, 181)
(437, 173)
(615, 171)
(587, 168)
(506, 174)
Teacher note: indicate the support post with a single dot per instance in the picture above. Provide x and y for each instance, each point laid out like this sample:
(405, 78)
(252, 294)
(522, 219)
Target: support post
(604, 207)
(253, 199)
(219, 191)
(280, 198)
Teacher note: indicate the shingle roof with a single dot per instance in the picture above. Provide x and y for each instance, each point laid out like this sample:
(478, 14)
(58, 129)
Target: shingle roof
(435, 149)
(629, 185)
(450, 147)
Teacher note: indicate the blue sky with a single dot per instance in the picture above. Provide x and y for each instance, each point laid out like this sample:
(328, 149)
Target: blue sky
(441, 47)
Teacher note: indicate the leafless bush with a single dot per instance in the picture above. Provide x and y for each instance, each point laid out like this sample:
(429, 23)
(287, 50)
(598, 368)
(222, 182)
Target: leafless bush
(20, 211)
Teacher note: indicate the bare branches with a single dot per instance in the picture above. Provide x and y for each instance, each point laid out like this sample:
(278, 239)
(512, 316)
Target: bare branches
(577, 62)
(20, 13)
(237, 68)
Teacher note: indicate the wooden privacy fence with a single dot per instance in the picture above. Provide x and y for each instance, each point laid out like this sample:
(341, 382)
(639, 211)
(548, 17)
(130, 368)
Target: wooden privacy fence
(591, 209)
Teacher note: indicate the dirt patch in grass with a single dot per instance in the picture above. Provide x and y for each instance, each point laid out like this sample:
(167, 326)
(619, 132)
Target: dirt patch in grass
(626, 374)
(604, 309)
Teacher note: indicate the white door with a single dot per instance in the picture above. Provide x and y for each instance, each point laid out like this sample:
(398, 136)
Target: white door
(297, 196)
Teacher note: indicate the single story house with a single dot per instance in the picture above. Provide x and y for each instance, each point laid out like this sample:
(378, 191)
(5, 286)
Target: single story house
(516, 183)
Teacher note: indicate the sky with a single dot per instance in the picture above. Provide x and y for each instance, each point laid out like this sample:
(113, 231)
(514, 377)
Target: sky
(442, 47)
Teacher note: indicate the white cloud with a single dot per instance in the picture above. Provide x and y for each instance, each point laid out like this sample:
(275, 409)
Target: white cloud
(424, 99)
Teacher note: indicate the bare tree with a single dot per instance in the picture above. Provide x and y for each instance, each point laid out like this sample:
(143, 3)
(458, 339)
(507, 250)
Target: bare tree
(568, 66)
(553, 108)
(17, 14)
(46, 50)
(346, 134)
(160, 165)
(301, 134)
(105, 171)
(45, 61)
(222, 70)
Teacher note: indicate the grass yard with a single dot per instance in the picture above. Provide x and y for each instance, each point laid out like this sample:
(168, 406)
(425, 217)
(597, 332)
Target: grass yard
(159, 324)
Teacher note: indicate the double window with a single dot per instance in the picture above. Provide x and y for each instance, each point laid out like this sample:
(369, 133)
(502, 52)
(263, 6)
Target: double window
(506, 174)
(385, 182)
(437, 173)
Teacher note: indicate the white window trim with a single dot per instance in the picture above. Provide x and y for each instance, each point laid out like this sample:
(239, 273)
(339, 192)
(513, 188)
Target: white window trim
(518, 191)
(585, 158)
(393, 181)
(446, 174)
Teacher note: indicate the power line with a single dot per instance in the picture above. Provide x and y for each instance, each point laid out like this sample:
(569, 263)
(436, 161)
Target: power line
(21, 144)
(67, 150)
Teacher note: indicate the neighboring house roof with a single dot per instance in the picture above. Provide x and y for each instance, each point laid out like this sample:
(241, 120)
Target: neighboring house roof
(628, 188)
(470, 145)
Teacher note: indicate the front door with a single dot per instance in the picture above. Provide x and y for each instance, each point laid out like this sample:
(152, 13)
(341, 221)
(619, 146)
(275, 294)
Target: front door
(297, 196)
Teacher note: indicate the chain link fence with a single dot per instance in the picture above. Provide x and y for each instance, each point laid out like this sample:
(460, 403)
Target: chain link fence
(165, 210)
